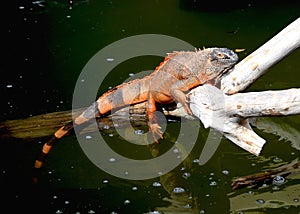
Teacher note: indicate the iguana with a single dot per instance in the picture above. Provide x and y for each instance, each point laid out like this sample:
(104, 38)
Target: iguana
(179, 72)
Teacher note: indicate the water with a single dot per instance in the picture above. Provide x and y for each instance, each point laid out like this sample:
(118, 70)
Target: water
(46, 45)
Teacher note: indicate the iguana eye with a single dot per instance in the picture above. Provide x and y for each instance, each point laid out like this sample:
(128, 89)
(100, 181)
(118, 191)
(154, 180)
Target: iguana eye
(220, 55)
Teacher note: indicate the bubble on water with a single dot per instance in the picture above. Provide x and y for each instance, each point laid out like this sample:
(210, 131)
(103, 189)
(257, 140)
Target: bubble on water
(225, 172)
(175, 150)
(250, 192)
(111, 135)
(68, 16)
(126, 202)
(58, 211)
(67, 202)
(21, 7)
(202, 212)
(131, 74)
(105, 181)
(106, 127)
(112, 160)
(139, 132)
(296, 199)
(91, 212)
(155, 212)
(188, 206)
(278, 180)
(156, 184)
(213, 183)
(110, 59)
(260, 201)
(196, 161)
(134, 188)
(186, 175)
(88, 137)
(55, 197)
(178, 190)
(9, 86)
(275, 188)
(277, 160)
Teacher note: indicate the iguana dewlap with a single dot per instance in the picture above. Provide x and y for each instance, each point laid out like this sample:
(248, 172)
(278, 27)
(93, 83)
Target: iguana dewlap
(177, 74)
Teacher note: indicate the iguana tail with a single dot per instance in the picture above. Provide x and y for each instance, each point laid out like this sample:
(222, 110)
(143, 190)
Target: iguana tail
(132, 92)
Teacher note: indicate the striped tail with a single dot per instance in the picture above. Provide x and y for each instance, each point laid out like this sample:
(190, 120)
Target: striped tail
(132, 92)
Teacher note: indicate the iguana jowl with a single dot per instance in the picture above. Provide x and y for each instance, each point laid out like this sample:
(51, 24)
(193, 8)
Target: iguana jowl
(179, 72)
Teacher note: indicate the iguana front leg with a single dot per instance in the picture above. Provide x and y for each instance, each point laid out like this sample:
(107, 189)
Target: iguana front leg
(154, 128)
(178, 88)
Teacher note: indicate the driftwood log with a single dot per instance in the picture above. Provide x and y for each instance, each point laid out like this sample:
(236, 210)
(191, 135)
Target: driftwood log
(228, 114)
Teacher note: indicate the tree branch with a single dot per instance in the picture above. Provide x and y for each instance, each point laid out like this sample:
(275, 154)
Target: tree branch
(227, 113)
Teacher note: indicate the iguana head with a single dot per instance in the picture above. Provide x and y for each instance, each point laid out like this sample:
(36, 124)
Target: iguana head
(217, 61)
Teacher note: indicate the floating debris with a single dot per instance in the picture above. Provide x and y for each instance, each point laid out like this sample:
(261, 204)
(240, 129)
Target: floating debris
(9, 86)
(238, 50)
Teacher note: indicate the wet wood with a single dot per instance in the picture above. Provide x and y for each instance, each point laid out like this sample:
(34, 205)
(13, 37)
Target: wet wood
(258, 179)
(46, 124)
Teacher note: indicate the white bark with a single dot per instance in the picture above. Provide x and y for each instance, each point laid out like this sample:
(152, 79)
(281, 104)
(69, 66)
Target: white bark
(258, 62)
(227, 113)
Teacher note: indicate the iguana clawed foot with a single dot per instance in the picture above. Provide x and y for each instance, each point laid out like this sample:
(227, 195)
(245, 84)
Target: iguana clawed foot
(155, 129)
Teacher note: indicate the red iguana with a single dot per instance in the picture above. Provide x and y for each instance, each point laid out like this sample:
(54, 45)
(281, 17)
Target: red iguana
(179, 72)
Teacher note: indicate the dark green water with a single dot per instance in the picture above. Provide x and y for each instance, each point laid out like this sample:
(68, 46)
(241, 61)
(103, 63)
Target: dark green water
(45, 47)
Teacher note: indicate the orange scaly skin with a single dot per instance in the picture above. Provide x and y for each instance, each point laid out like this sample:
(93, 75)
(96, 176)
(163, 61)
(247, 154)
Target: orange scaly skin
(177, 74)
